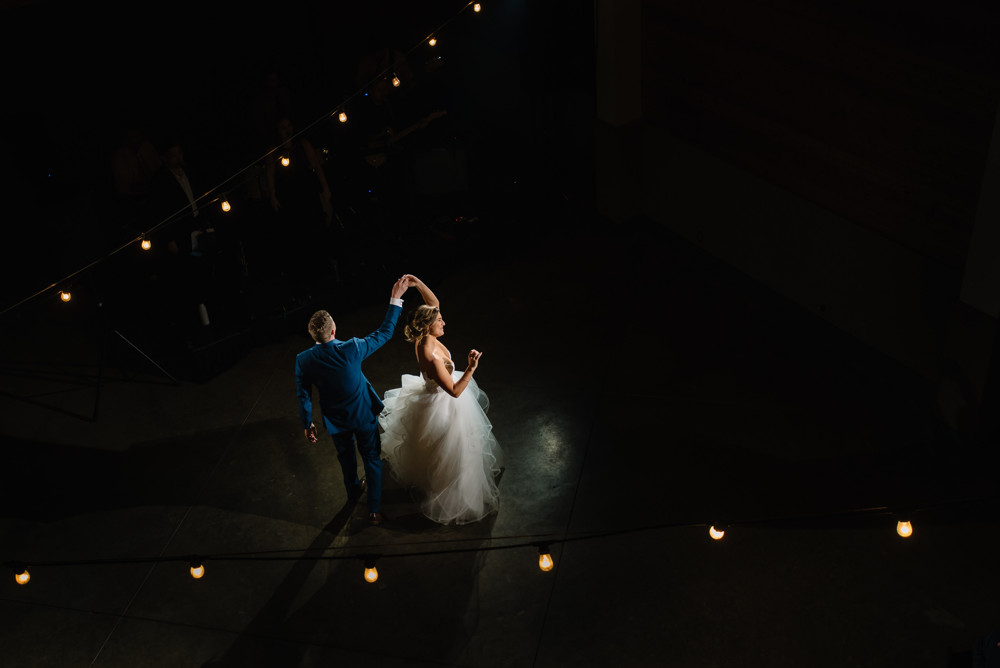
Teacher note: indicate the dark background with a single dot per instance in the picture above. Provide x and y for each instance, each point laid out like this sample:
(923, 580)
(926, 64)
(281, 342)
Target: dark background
(74, 75)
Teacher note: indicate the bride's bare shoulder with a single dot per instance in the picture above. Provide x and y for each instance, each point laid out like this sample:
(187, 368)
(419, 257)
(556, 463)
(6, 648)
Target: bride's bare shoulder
(426, 348)
(442, 351)
(429, 349)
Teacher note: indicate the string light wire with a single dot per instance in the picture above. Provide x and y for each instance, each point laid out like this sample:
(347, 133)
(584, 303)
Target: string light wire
(536, 541)
(368, 558)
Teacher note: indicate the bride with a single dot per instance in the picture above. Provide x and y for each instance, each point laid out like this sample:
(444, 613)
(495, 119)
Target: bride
(437, 437)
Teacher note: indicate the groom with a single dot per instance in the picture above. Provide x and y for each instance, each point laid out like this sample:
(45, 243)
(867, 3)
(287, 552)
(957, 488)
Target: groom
(349, 404)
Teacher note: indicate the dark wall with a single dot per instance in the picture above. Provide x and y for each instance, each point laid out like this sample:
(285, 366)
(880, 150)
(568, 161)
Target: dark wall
(874, 110)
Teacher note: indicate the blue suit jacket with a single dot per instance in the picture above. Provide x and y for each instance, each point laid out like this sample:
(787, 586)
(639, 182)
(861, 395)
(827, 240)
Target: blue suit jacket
(347, 400)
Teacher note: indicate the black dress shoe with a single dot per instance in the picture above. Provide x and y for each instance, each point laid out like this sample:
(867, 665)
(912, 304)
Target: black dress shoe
(359, 490)
(375, 518)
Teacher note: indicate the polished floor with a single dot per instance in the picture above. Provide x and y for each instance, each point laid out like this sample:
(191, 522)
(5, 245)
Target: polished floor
(640, 391)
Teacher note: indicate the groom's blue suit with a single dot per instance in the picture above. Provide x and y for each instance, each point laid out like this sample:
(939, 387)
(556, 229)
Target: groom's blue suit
(348, 402)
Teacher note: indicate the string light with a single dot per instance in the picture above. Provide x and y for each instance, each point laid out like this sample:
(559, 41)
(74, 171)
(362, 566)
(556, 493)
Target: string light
(432, 41)
(371, 573)
(545, 562)
(65, 295)
(716, 534)
(285, 161)
(225, 206)
(342, 117)
(395, 81)
(904, 528)
(477, 7)
(21, 575)
(145, 244)
(197, 570)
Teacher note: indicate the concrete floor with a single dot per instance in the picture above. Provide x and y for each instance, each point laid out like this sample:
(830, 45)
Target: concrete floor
(638, 389)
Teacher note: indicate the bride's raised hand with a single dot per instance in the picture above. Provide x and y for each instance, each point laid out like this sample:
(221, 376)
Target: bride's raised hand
(474, 356)
(414, 282)
(425, 292)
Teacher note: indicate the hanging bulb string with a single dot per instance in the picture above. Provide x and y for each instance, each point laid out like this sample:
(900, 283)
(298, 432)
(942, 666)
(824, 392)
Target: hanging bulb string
(387, 72)
(343, 104)
(524, 541)
(180, 213)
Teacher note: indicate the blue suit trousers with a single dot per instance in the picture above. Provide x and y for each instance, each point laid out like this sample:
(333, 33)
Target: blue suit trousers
(370, 446)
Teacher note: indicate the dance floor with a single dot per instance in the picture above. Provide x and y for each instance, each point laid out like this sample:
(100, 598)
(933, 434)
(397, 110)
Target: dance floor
(640, 390)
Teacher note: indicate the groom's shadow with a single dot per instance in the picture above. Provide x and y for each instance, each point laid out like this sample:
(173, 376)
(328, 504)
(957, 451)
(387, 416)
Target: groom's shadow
(424, 606)
(256, 644)
(426, 601)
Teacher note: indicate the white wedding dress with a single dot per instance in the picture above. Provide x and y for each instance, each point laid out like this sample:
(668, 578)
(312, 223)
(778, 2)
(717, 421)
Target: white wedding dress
(444, 447)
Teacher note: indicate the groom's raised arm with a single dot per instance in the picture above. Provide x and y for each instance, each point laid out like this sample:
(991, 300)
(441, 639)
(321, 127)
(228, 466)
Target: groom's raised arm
(377, 339)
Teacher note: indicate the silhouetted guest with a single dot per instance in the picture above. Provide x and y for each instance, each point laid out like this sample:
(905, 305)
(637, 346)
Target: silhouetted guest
(382, 110)
(383, 118)
(133, 165)
(297, 183)
(182, 244)
(174, 194)
(380, 59)
(271, 103)
(294, 186)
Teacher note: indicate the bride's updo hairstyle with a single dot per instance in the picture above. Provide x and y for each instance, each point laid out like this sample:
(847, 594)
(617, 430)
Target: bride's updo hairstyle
(420, 321)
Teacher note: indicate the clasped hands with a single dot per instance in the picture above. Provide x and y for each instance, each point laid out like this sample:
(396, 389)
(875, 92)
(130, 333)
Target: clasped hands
(404, 283)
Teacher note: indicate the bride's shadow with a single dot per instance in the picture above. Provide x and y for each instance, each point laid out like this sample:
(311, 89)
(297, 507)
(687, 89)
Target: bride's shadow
(403, 515)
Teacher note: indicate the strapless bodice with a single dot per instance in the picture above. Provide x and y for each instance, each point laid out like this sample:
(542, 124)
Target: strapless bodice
(430, 383)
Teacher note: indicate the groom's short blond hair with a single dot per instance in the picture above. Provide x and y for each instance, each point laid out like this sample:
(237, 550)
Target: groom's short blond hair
(320, 326)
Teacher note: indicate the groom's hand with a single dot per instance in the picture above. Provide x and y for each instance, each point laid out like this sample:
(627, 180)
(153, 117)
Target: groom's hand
(311, 434)
(399, 288)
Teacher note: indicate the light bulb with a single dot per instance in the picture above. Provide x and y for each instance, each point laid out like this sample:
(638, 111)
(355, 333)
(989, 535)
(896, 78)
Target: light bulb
(225, 205)
(432, 41)
(716, 534)
(545, 558)
(285, 161)
(477, 7)
(65, 296)
(146, 245)
(904, 528)
(342, 117)
(22, 577)
(197, 570)
(395, 81)
(371, 573)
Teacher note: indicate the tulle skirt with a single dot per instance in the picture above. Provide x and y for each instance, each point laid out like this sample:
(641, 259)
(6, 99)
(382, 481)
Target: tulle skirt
(444, 447)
